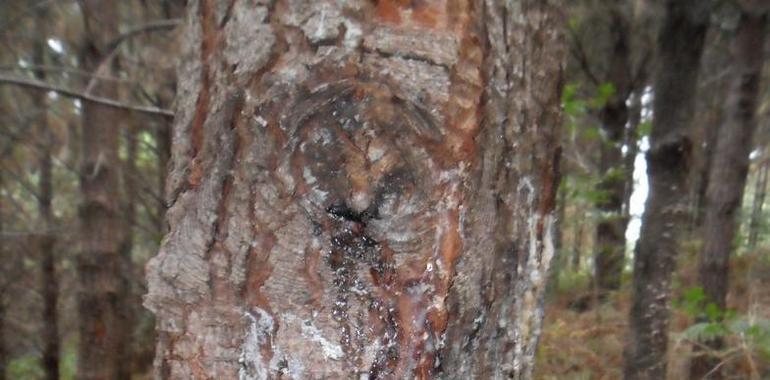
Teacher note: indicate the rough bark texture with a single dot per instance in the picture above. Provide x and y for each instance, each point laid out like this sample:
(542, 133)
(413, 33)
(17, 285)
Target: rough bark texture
(611, 227)
(680, 44)
(359, 189)
(48, 280)
(102, 286)
(727, 178)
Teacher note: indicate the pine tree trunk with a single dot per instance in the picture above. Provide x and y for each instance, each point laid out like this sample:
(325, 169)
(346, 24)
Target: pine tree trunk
(5, 356)
(727, 178)
(48, 280)
(680, 44)
(360, 189)
(102, 285)
(611, 227)
(132, 301)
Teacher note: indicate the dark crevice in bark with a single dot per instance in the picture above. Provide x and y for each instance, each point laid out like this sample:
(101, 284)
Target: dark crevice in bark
(207, 50)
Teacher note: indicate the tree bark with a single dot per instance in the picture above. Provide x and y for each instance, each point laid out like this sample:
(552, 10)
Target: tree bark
(680, 44)
(49, 282)
(577, 248)
(611, 227)
(102, 286)
(132, 300)
(5, 356)
(727, 179)
(360, 189)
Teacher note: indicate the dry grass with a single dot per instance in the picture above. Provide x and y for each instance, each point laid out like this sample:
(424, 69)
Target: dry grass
(588, 345)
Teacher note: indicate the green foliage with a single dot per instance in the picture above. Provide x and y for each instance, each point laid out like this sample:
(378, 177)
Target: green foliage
(573, 281)
(573, 105)
(69, 360)
(26, 367)
(644, 129)
(603, 94)
(577, 103)
(30, 367)
(747, 333)
(691, 301)
(615, 174)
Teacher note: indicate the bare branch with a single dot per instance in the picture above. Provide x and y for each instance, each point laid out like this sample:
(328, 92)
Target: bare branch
(152, 26)
(64, 70)
(29, 83)
(578, 52)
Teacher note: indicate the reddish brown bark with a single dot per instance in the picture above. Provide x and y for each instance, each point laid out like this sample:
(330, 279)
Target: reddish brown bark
(347, 181)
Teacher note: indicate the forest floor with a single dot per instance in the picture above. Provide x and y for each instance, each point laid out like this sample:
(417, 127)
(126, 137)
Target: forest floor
(581, 341)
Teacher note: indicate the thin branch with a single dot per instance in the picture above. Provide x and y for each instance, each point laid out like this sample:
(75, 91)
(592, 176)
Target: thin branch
(112, 46)
(578, 52)
(85, 97)
(65, 70)
(152, 26)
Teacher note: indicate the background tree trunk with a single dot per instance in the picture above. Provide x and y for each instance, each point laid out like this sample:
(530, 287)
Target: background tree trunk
(5, 355)
(102, 286)
(132, 301)
(611, 226)
(727, 178)
(336, 166)
(680, 44)
(47, 240)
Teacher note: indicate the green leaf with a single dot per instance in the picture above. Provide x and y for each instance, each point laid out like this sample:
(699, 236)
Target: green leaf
(713, 312)
(644, 129)
(591, 133)
(603, 94)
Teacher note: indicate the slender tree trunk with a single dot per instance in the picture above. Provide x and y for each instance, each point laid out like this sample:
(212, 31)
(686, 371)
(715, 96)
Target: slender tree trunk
(680, 44)
(49, 284)
(611, 227)
(336, 166)
(132, 301)
(760, 192)
(577, 249)
(5, 356)
(728, 178)
(101, 293)
(704, 164)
